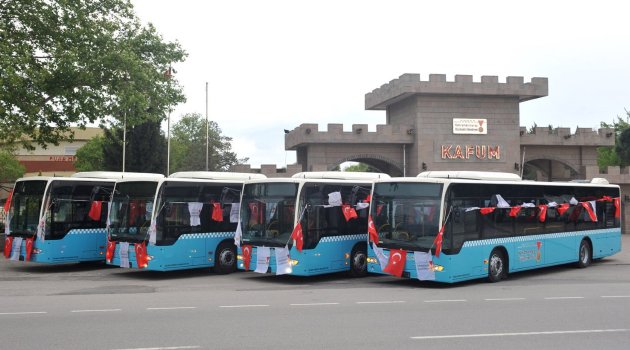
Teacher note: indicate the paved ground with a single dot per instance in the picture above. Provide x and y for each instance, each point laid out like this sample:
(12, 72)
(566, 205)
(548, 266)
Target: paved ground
(92, 306)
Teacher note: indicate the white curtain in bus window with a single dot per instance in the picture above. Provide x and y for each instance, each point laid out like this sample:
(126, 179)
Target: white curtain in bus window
(262, 259)
(234, 211)
(271, 210)
(194, 208)
(334, 199)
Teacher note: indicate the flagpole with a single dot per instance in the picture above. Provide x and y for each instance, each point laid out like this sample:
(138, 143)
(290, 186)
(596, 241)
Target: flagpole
(206, 126)
(124, 140)
(168, 142)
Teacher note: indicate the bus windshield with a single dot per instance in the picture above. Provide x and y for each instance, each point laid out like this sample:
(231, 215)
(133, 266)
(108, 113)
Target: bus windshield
(406, 215)
(195, 207)
(132, 205)
(25, 207)
(268, 213)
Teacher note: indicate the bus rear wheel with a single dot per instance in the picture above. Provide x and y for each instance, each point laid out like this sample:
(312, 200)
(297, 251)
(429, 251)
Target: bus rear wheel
(225, 258)
(358, 261)
(497, 267)
(585, 256)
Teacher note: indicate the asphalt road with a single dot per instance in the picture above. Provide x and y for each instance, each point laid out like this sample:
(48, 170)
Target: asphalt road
(92, 306)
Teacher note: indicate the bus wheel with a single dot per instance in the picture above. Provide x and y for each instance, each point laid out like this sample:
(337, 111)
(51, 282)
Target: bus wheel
(225, 258)
(497, 268)
(358, 261)
(584, 257)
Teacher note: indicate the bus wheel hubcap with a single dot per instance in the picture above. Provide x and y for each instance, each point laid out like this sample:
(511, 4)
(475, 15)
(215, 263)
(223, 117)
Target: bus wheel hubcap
(359, 261)
(496, 265)
(226, 257)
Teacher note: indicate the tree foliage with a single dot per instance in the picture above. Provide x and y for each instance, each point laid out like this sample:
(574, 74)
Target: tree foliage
(145, 151)
(66, 63)
(188, 146)
(90, 156)
(617, 155)
(10, 167)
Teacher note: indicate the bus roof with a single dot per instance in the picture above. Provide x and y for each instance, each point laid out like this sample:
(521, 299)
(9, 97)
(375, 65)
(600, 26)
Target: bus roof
(471, 175)
(340, 175)
(216, 175)
(116, 175)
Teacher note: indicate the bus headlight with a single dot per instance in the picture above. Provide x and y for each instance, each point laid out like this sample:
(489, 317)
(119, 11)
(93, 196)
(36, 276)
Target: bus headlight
(149, 257)
(36, 251)
(438, 268)
(372, 260)
(239, 257)
(293, 262)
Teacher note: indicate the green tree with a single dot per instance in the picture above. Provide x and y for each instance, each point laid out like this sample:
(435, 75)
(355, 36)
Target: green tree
(361, 167)
(145, 152)
(70, 63)
(90, 156)
(10, 167)
(611, 156)
(188, 146)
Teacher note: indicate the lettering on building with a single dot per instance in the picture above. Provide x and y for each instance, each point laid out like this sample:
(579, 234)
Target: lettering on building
(61, 158)
(467, 152)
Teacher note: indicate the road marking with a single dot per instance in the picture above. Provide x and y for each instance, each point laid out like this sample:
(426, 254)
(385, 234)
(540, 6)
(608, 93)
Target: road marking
(519, 334)
(314, 304)
(236, 306)
(560, 298)
(166, 348)
(103, 310)
(381, 302)
(445, 301)
(172, 308)
(504, 299)
(23, 313)
(615, 296)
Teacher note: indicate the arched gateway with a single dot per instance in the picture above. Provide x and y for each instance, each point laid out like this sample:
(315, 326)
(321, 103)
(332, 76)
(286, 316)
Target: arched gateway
(452, 125)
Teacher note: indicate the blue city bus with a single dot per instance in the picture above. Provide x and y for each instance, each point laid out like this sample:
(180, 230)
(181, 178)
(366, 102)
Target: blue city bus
(181, 222)
(312, 203)
(492, 224)
(59, 219)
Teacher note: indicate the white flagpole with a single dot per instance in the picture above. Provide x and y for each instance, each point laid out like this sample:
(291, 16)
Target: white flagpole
(207, 152)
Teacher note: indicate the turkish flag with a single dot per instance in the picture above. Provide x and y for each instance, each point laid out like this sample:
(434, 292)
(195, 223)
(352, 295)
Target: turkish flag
(486, 211)
(254, 216)
(514, 211)
(247, 255)
(562, 208)
(396, 262)
(348, 212)
(8, 245)
(542, 215)
(142, 259)
(109, 253)
(617, 201)
(217, 212)
(437, 242)
(368, 199)
(298, 236)
(95, 210)
(29, 247)
(372, 230)
(589, 210)
(7, 204)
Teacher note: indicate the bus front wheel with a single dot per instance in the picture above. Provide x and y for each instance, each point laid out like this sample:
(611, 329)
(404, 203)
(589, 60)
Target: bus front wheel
(497, 267)
(225, 258)
(358, 261)
(584, 256)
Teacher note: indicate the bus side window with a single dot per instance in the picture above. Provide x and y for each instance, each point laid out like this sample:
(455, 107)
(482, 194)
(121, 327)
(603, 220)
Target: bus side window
(465, 224)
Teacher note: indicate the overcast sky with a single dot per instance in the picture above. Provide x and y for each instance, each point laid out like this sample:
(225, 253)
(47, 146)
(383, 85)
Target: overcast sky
(273, 65)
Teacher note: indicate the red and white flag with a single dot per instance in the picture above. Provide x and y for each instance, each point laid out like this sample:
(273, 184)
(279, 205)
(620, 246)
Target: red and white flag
(247, 255)
(8, 245)
(217, 212)
(109, 253)
(617, 202)
(542, 215)
(437, 242)
(142, 258)
(298, 237)
(348, 212)
(29, 247)
(396, 263)
(589, 209)
(95, 210)
(373, 234)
